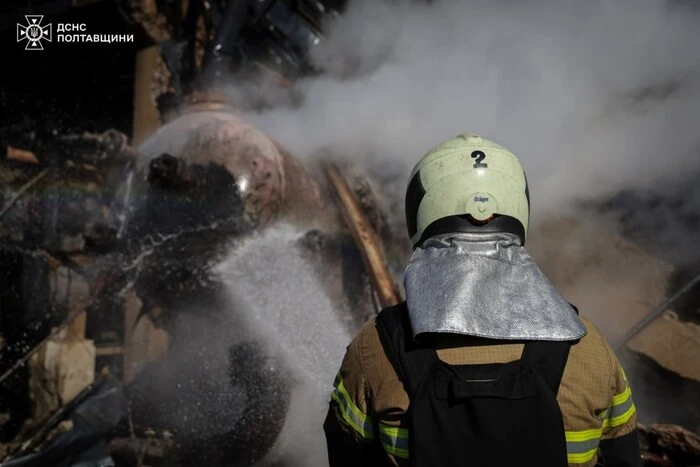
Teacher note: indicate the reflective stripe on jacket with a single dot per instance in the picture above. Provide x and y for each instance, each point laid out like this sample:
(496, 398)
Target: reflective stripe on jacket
(369, 401)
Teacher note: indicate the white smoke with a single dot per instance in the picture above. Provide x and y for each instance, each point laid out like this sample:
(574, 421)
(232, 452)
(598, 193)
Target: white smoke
(596, 97)
(593, 96)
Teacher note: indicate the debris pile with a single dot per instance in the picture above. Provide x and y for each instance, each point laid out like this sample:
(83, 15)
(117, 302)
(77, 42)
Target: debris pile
(108, 314)
(105, 248)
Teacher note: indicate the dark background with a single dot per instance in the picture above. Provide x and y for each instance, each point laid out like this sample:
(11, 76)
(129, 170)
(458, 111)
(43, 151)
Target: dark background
(68, 86)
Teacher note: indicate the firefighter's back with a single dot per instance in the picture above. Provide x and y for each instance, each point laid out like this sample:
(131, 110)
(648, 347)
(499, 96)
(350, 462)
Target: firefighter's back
(594, 397)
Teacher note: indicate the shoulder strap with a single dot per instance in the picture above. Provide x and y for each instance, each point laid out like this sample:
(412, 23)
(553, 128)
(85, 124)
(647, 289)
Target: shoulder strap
(549, 358)
(410, 361)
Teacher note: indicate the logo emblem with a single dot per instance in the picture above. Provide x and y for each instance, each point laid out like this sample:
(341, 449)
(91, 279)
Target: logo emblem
(34, 32)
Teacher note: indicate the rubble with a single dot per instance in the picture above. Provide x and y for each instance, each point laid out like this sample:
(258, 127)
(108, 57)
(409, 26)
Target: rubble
(629, 284)
(89, 289)
(672, 343)
(90, 416)
(62, 368)
(669, 445)
(96, 264)
(613, 281)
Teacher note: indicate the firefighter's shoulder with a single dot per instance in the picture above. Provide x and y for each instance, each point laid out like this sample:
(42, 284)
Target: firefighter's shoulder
(370, 375)
(592, 362)
(365, 355)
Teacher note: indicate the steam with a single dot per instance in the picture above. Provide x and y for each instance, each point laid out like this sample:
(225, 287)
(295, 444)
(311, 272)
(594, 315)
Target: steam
(593, 96)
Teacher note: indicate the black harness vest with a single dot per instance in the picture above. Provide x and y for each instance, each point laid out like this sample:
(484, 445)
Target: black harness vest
(491, 415)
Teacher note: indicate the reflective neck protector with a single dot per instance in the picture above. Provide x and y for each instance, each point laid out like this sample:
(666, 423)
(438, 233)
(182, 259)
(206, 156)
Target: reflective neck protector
(485, 285)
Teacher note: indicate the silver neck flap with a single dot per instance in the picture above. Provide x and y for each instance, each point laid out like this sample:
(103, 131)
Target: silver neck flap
(485, 285)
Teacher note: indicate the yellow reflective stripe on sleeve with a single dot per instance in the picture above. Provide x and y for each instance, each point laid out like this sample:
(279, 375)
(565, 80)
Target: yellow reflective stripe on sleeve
(394, 440)
(622, 397)
(622, 418)
(621, 409)
(354, 417)
(582, 446)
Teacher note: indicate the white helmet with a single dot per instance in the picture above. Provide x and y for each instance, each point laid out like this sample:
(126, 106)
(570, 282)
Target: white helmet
(467, 184)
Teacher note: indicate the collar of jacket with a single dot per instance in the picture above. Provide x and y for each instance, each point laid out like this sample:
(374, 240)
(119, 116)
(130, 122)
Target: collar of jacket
(485, 285)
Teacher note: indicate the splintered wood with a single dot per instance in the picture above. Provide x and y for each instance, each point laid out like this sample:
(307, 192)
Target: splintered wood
(65, 364)
(366, 239)
(21, 155)
(60, 370)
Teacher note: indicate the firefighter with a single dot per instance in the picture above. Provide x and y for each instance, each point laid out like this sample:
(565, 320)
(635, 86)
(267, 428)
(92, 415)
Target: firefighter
(485, 363)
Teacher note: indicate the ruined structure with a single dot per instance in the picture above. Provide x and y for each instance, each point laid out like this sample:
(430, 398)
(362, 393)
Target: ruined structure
(111, 247)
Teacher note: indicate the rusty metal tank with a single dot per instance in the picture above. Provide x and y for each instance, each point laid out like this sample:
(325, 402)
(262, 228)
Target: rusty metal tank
(204, 183)
(205, 180)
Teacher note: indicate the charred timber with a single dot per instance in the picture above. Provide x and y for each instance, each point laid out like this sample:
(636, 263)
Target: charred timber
(671, 443)
(366, 238)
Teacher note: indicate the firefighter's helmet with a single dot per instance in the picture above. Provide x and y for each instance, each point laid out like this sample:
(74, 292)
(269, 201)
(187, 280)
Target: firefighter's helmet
(467, 184)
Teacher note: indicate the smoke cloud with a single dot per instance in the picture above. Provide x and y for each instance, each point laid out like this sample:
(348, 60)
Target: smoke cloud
(599, 99)
(593, 96)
